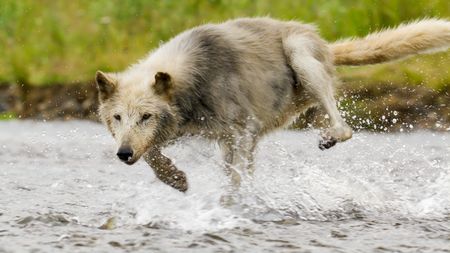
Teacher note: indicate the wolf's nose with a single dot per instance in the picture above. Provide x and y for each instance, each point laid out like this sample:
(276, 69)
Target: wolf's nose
(125, 153)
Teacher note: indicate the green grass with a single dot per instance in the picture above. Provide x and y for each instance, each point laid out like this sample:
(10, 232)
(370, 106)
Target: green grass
(7, 116)
(427, 70)
(47, 42)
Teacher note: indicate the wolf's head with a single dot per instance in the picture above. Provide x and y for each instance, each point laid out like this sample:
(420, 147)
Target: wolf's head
(136, 111)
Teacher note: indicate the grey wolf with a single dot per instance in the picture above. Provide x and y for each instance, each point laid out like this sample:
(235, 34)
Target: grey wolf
(235, 81)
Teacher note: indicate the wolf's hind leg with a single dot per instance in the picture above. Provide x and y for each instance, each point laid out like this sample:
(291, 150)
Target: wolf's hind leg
(318, 81)
(166, 171)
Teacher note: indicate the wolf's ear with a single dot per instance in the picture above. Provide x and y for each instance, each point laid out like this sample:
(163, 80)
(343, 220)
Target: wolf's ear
(163, 83)
(106, 85)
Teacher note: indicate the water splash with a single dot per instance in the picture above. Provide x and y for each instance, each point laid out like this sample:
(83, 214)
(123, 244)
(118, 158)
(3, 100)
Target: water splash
(393, 184)
(373, 175)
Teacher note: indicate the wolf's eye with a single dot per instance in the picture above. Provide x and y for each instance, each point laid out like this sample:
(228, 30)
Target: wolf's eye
(146, 116)
(117, 117)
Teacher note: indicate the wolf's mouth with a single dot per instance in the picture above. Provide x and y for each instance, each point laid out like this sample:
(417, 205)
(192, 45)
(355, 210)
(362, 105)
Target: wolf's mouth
(131, 161)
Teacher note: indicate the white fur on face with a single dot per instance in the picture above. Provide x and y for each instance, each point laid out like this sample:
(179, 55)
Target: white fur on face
(132, 100)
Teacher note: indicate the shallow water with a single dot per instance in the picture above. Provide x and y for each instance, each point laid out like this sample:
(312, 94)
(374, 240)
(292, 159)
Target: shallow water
(60, 183)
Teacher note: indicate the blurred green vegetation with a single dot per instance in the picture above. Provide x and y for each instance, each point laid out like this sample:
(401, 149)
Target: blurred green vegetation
(7, 116)
(47, 42)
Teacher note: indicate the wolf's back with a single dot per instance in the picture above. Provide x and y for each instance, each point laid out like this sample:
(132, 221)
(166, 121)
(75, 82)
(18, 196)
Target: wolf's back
(424, 36)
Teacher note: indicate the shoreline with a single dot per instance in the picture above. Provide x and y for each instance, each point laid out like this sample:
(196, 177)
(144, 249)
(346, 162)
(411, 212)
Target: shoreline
(375, 107)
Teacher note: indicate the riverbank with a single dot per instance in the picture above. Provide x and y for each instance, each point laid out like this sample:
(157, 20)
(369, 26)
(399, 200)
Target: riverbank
(375, 106)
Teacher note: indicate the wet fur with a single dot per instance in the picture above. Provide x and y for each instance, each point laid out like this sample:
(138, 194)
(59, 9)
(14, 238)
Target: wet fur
(232, 82)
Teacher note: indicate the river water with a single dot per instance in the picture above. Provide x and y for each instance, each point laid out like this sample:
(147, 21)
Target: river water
(63, 190)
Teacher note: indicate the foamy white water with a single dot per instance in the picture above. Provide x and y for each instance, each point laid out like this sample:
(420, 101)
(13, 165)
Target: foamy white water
(60, 181)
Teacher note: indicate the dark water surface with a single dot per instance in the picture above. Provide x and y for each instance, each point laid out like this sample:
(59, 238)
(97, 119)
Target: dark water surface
(62, 190)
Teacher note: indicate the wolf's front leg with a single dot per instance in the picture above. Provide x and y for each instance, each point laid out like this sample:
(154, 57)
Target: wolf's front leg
(239, 155)
(165, 170)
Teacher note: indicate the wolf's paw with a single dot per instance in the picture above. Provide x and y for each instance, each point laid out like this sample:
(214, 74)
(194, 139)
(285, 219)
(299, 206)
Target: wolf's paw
(338, 133)
(333, 135)
(179, 181)
(230, 199)
(327, 143)
(176, 179)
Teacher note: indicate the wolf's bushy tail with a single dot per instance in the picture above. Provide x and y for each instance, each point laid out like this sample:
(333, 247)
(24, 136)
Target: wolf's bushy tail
(423, 36)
